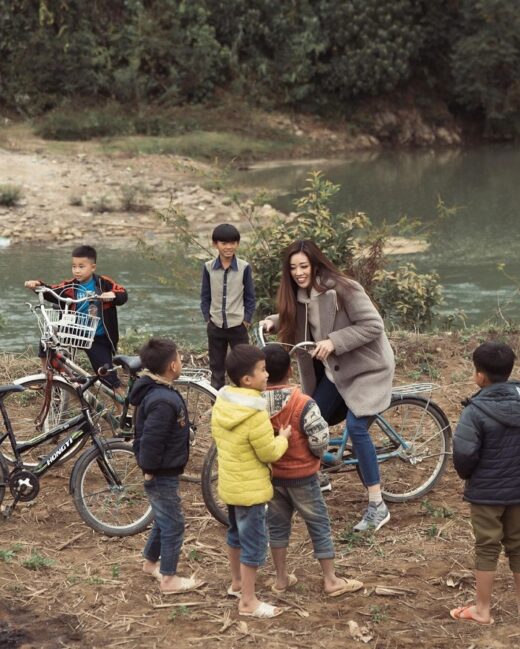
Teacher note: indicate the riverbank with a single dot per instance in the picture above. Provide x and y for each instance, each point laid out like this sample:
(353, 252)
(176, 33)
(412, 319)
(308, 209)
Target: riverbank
(84, 590)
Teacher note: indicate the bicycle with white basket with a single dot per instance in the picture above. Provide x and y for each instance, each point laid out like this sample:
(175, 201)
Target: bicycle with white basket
(50, 399)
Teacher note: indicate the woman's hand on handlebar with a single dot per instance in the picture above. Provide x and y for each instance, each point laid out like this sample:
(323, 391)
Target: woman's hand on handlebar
(267, 325)
(323, 349)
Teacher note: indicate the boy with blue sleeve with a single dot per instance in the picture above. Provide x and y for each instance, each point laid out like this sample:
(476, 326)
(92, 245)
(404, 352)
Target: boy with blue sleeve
(227, 300)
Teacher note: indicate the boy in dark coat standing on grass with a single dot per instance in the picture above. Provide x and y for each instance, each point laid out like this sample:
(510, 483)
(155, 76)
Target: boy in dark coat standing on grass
(486, 453)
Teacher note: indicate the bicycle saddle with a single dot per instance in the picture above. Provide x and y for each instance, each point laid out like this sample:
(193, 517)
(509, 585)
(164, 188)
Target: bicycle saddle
(130, 363)
(6, 389)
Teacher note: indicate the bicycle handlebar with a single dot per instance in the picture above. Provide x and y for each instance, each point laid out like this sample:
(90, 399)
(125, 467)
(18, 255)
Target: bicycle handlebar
(304, 345)
(41, 290)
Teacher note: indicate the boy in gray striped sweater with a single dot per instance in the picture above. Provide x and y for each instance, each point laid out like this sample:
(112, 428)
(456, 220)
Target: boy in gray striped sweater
(227, 300)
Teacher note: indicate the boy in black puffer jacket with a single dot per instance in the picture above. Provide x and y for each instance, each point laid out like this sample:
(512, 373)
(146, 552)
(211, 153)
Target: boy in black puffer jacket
(161, 446)
(486, 453)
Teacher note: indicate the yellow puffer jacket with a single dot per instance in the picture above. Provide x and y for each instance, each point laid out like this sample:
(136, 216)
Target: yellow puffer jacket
(245, 444)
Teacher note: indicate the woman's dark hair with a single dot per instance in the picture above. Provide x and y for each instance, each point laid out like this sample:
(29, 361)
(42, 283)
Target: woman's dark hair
(277, 362)
(157, 354)
(322, 269)
(495, 360)
(241, 362)
(226, 233)
(85, 251)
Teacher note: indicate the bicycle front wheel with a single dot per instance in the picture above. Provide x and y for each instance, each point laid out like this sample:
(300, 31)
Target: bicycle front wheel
(412, 440)
(25, 407)
(108, 490)
(209, 487)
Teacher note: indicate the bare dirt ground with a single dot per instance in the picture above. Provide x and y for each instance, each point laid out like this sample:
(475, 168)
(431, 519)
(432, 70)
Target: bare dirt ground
(93, 594)
(72, 191)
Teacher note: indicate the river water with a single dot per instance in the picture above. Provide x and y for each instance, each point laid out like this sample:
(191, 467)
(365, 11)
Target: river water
(483, 183)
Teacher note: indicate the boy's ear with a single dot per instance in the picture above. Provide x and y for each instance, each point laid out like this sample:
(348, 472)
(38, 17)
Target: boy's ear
(245, 381)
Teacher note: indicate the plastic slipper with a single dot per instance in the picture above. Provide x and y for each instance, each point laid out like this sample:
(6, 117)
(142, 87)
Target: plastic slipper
(292, 580)
(234, 593)
(263, 610)
(465, 614)
(187, 585)
(349, 586)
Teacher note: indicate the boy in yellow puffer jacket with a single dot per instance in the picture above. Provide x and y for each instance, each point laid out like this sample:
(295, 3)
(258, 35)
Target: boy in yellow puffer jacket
(246, 444)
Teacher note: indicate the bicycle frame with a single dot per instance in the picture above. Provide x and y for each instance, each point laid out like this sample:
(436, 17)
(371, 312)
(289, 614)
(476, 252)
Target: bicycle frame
(335, 458)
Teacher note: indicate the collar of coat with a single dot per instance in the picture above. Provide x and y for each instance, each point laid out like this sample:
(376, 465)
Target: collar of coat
(157, 378)
(243, 397)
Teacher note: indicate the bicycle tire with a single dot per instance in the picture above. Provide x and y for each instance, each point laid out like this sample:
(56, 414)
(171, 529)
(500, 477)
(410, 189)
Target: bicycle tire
(4, 477)
(199, 401)
(108, 509)
(425, 427)
(215, 506)
(24, 407)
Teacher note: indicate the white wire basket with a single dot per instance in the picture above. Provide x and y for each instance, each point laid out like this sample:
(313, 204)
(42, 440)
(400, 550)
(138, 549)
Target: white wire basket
(73, 329)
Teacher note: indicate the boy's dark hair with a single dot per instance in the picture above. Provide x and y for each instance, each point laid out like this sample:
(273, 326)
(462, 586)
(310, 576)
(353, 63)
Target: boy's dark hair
(157, 354)
(277, 362)
(85, 251)
(241, 362)
(495, 360)
(226, 233)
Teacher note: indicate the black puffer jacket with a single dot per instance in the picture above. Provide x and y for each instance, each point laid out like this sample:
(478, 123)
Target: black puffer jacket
(486, 445)
(162, 430)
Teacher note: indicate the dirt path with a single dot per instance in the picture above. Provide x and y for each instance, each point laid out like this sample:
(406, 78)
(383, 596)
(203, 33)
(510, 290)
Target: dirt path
(94, 595)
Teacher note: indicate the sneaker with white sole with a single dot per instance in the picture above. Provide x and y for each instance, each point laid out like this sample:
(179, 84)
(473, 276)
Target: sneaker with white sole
(374, 517)
(324, 480)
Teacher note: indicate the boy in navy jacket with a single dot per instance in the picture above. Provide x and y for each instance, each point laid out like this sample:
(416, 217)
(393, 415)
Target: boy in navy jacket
(486, 453)
(161, 446)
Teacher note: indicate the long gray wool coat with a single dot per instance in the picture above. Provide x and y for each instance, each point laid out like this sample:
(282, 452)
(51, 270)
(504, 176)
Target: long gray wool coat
(362, 363)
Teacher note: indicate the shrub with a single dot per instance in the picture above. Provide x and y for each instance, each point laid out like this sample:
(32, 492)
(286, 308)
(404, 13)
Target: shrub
(406, 298)
(10, 195)
(66, 124)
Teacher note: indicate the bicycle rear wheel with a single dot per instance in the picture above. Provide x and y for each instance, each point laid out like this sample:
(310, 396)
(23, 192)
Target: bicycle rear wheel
(199, 401)
(25, 407)
(209, 487)
(411, 471)
(108, 490)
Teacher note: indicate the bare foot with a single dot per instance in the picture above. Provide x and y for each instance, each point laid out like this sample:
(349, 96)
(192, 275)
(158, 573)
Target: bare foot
(151, 567)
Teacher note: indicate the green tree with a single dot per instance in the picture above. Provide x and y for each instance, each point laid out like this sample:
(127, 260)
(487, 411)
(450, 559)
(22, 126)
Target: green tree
(486, 63)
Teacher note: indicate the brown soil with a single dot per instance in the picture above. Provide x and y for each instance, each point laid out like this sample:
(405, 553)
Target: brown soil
(95, 595)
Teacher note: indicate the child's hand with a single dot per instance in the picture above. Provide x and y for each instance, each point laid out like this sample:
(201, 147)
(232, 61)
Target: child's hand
(285, 431)
(32, 283)
(109, 295)
(266, 325)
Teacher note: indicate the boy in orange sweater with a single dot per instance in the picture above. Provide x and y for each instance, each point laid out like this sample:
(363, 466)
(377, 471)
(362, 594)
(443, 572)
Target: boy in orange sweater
(295, 477)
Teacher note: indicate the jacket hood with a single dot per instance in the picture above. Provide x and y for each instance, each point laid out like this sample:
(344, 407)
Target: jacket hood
(500, 401)
(235, 405)
(277, 398)
(145, 384)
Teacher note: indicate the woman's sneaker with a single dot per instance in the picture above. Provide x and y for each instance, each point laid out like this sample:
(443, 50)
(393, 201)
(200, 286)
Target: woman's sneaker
(374, 517)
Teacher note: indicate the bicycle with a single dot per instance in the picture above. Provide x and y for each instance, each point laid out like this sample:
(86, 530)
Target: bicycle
(106, 483)
(193, 385)
(411, 437)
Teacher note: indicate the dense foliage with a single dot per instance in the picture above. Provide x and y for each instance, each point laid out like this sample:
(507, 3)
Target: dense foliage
(406, 299)
(302, 53)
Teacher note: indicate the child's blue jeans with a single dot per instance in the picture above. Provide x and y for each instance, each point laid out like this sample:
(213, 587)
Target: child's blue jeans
(308, 501)
(330, 402)
(248, 531)
(167, 533)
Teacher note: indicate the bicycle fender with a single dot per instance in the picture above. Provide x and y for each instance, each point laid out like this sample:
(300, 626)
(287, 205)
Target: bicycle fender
(39, 377)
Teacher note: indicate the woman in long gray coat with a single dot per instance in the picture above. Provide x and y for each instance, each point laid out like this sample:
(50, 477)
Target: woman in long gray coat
(351, 369)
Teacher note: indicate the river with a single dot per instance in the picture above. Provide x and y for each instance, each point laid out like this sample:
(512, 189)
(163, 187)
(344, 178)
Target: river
(483, 183)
